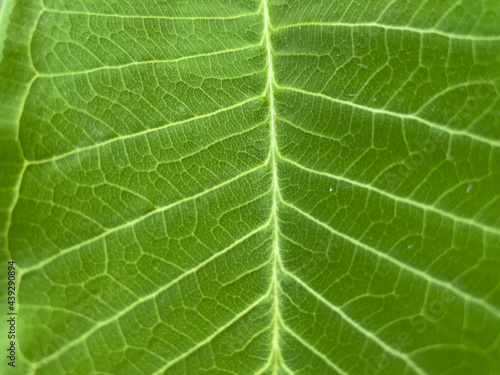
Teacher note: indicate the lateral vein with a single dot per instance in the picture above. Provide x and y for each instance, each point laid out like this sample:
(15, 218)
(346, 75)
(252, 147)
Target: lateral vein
(430, 279)
(358, 327)
(136, 63)
(422, 206)
(476, 137)
(139, 301)
(24, 271)
(314, 350)
(143, 132)
(141, 17)
(394, 28)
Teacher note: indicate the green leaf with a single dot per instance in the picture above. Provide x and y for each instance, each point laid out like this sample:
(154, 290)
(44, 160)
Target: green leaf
(252, 187)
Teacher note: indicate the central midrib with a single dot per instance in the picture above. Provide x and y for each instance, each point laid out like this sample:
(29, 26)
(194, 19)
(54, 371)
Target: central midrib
(275, 355)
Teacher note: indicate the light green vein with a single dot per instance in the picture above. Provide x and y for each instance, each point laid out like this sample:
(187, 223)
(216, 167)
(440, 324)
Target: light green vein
(481, 38)
(147, 131)
(64, 208)
(287, 369)
(211, 337)
(275, 355)
(129, 308)
(423, 206)
(141, 17)
(17, 185)
(16, 188)
(139, 63)
(132, 223)
(476, 137)
(430, 279)
(314, 350)
(353, 323)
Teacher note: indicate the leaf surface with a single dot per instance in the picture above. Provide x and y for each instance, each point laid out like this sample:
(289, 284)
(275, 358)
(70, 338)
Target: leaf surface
(252, 187)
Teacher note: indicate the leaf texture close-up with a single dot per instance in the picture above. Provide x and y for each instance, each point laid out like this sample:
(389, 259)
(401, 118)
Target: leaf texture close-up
(251, 186)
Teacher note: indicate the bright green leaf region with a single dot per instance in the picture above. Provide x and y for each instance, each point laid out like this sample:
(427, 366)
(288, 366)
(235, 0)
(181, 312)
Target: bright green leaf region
(251, 186)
